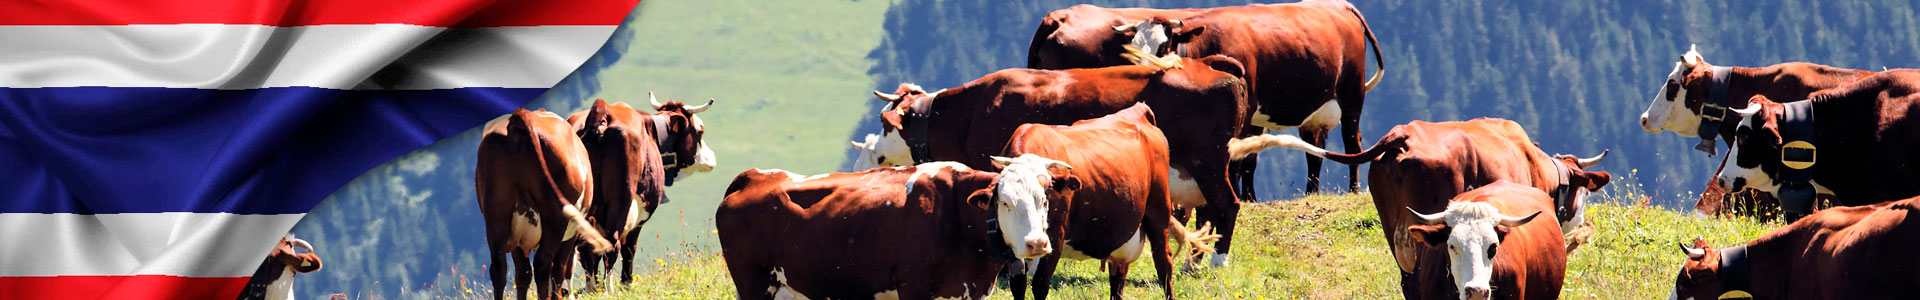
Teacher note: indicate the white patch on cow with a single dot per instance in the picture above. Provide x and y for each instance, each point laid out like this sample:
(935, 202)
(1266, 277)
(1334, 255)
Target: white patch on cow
(703, 161)
(1472, 236)
(1672, 114)
(281, 288)
(784, 291)
(1129, 252)
(1265, 121)
(1183, 189)
(1149, 36)
(892, 150)
(887, 295)
(868, 155)
(526, 229)
(637, 214)
(1754, 178)
(1324, 117)
(1068, 252)
(793, 177)
(927, 169)
(1023, 205)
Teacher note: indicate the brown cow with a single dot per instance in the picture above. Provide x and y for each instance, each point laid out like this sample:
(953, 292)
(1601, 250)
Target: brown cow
(1863, 252)
(1305, 61)
(274, 279)
(1421, 165)
(533, 184)
(1122, 200)
(1487, 251)
(1863, 144)
(625, 146)
(932, 230)
(1087, 36)
(1203, 105)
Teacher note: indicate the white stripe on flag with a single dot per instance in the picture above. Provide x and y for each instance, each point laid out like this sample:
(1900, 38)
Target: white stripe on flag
(177, 244)
(238, 57)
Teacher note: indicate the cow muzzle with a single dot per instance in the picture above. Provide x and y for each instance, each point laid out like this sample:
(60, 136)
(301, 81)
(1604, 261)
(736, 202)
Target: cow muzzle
(1035, 248)
(1475, 293)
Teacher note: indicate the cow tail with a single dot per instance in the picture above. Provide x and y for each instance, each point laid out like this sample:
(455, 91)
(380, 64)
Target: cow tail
(593, 237)
(1242, 147)
(1195, 243)
(1377, 59)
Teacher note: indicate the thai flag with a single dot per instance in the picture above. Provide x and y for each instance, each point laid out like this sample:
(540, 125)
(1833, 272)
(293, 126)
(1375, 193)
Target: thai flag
(159, 148)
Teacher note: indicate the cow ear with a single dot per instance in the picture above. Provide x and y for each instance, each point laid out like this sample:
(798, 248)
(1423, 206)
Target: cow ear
(1066, 183)
(1500, 232)
(1595, 180)
(1430, 235)
(1225, 64)
(1770, 122)
(306, 263)
(892, 120)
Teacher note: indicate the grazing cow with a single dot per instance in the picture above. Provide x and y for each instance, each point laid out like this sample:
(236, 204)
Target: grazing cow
(1863, 142)
(533, 182)
(933, 230)
(1488, 251)
(1306, 64)
(1122, 201)
(1861, 252)
(274, 279)
(625, 147)
(1421, 165)
(1203, 105)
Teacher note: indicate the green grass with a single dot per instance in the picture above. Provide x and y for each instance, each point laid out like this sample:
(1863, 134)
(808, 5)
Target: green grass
(1319, 247)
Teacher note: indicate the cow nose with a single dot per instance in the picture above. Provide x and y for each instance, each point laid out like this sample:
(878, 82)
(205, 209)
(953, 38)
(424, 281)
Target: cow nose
(1647, 124)
(1474, 293)
(1038, 247)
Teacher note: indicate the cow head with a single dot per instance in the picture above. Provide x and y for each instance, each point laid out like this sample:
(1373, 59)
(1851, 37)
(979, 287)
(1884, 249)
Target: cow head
(1754, 160)
(1700, 277)
(1471, 233)
(1579, 183)
(284, 253)
(1676, 107)
(870, 155)
(1151, 35)
(1021, 194)
(905, 102)
(677, 125)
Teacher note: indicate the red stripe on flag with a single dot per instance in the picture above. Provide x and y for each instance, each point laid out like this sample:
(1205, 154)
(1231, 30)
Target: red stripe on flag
(121, 287)
(436, 13)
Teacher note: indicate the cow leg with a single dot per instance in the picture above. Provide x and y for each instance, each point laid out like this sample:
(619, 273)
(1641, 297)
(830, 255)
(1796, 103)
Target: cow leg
(1242, 176)
(1350, 133)
(1318, 137)
(591, 263)
(1043, 275)
(750, 281)
(1017, 281)
(626, 258)
(522, 273)
(543, 273)
(498, 273)
(1116, 279)
(1225, 210)
(1156, 233)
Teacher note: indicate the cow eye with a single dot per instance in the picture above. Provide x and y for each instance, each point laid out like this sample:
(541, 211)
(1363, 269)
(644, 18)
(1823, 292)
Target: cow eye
(1491, 249)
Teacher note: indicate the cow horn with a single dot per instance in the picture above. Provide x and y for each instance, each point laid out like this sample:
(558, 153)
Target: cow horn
(1426, 219)
(886, 97)
(1126, 26)
(1059, 164)
(701, 108)
(858, 145)
(1590, 161)
(1001, 161)
(1749, 111)
(656, 101)
(1692, 253)
(302, 244)
(1510, 221)
(937, 93)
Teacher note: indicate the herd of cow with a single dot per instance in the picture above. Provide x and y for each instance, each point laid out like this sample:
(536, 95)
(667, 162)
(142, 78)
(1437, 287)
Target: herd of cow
(1128, 121)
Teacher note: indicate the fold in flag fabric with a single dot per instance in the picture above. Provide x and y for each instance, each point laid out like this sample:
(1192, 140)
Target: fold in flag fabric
(157, 149)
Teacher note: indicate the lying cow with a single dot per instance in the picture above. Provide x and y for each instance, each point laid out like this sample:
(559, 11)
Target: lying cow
(274, 279)
(1202, 105)
(1306, 64)
(1697, 96)
(1121, 207)
(1864, 143)
(1421, 165)
(626, 147)
(1863, 252)
(533, 182)
(932, 230)
(1488, 251)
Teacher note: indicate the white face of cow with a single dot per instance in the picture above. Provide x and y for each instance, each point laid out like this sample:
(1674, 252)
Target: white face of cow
(887, 149)
(1473, 231)
(1149, 36)
(1734, 177)
(703, 160)
(1669, 108)
(1022, 195)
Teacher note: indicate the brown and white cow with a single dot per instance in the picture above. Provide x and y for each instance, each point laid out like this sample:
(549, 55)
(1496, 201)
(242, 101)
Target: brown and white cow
(274, 279)
(1306, 65)
(1861, 252)
(1420, 165)
(1202, 106)
(533, 182)
(1855, 142)
(933, 230)
(1121, 208)
(625, 147)
(1486, 242)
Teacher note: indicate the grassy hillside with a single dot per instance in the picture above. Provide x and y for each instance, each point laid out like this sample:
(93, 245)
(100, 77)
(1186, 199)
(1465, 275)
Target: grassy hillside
(1322, 247)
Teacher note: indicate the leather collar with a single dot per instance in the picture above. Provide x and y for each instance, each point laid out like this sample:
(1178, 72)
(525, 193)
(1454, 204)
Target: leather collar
(1713, 113)
(1797, 157)
(1735, 272)
(668, 157)
(1564, 192)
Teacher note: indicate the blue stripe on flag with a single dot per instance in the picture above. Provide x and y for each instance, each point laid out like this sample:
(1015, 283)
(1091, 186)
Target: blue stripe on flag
(105, 150)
